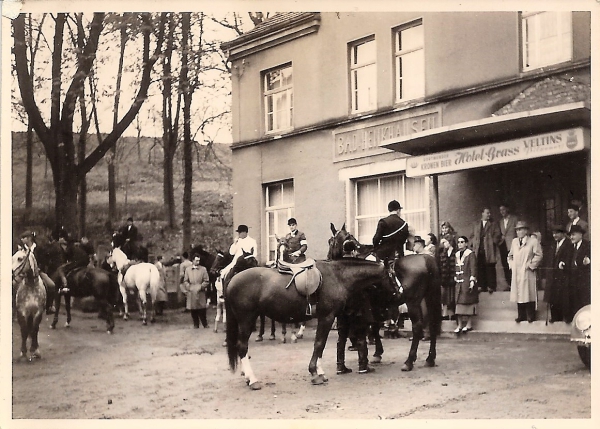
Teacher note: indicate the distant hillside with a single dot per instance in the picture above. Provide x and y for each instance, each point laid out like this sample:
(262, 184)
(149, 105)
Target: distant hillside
(139, 193)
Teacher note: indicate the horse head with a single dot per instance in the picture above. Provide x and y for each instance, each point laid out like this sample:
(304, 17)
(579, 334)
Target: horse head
(336, 242)
(23, 265)
(222, 259)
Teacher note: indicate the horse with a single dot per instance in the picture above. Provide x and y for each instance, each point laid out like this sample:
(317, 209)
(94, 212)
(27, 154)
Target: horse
(263, 290)
(94, 282)
(132, 249)
(50, 257)
(142, 276)
(419, 279)
(30, 300)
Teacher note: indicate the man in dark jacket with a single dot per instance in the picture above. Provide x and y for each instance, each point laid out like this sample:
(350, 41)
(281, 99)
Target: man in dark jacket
(485, 238)
(557, 293)
(75, 256)
(391, 234)
(580, 275)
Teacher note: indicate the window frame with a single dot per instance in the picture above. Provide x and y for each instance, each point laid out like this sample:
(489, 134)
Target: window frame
(352, 68)
(398, 53)
(382, 205)
(266, 93)
(290, 208)
(524, 41)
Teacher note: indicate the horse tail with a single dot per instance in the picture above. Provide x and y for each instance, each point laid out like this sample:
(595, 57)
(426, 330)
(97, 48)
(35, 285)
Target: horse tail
(232, 335)
(434, 296)
(155, 282)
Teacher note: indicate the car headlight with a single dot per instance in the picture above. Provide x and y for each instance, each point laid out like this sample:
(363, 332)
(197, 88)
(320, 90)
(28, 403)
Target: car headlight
(583, 321)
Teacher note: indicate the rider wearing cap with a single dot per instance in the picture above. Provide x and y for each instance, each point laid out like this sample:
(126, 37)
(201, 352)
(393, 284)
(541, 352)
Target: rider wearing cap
(243, 243)
(75, 256)
(296, 244)
(392, 233)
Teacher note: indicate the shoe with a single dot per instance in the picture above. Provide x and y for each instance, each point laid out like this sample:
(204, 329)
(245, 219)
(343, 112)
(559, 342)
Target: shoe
(272, 338)
(552, 320)
(519, 320)
(491, 291)
(224, 344)
(366, 370)
(376, 359)
(530, 320)
(196, 326)
(259, 339)
(457, 330)
(342, 369)
(469, 329)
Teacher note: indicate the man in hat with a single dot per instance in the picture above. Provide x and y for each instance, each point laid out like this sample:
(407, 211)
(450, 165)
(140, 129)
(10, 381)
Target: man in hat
(418, 245)
(557, 294)
(75, 256)
(485, 238)
(243, 243)
(391, 234)
(296, 244)
(129, 231)
(524, 257)
(574, 219)
(580, 275)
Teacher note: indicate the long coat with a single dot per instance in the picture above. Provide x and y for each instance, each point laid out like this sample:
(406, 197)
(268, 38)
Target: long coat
(580, 276)
(491, 239)
(508, 233)
(523, 260)
(557, 282)
(390, 236)
(195, 283)
(466, 270)
(448, 271)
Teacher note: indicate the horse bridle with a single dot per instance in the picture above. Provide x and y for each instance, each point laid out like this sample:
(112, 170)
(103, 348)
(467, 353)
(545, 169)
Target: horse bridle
(21, 267)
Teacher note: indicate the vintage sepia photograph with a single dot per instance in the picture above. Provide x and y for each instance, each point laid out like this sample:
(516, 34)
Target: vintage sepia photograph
(320, 214)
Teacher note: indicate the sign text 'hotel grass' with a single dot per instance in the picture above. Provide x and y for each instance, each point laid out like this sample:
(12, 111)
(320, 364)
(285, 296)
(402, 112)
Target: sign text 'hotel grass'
(366, 141)
(497, 153)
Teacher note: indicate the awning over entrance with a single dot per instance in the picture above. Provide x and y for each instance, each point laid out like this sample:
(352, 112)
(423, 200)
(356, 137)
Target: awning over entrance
(493, 129)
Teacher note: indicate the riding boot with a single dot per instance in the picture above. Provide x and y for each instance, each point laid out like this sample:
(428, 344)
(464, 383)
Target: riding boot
(363, 356)
(341, 356)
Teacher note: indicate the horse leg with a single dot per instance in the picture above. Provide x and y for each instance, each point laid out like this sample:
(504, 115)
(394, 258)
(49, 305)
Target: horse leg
(283, 332)
(245, 328)
(153, 311)
(35, 347)
(24, 335)
(68, 308)
(125, 306)
(56, 310)
(300, 333)
(142, 300)
(314, 367)
(416, 317)
(110, 320)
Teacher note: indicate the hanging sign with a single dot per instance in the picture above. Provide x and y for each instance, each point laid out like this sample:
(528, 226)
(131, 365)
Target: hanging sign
(537, 146)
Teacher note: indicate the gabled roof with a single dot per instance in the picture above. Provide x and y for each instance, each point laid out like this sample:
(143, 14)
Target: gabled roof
(549, 92)
(279, 21)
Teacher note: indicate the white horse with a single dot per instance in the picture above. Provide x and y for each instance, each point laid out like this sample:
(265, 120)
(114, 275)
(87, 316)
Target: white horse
(143, 277)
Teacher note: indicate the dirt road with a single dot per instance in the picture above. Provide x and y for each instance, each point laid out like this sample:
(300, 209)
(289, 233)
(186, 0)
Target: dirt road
(169, 370)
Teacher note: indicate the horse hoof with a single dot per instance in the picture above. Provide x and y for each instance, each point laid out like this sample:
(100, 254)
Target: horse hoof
(376, 359)
(67, 325)
(407, 367)
(300, 336)
(429, 363)
(35, 355)
(318, 379)
(144, 322)
(109, 332)
(283, 341)
(52, 326)
(294, 340)
(256, 385)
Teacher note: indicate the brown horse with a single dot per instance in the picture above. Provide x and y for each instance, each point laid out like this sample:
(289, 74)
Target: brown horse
(30, 300)
(419, 279)
(263, 290)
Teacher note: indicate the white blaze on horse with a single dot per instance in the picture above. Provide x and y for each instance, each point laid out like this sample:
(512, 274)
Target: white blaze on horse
(30, 300)
(143, 277)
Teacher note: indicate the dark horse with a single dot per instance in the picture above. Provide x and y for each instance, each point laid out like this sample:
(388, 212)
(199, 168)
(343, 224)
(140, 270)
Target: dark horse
(263, 290)
(419, 279)
(30, 300)
(82, 282)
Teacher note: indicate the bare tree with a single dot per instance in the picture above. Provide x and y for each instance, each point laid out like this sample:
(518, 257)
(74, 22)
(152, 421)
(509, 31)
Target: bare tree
(58, 137)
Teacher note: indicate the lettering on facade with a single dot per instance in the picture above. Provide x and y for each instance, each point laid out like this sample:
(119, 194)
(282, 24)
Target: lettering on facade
(367, 141)
(497, 153)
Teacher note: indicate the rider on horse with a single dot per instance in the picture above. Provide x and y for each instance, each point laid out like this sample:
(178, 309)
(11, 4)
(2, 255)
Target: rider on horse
(296, 244)
(243, 243)
(29, 244)
(75, 256)
(392, 233)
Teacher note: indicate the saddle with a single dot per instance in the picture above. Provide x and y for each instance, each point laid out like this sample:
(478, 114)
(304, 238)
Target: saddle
(306, 278)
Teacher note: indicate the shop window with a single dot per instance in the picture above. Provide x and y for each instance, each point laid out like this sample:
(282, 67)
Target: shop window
(373, 196)
(279, 99)
(409, 62)
(279, 207)
(363, 76)
(547, 38)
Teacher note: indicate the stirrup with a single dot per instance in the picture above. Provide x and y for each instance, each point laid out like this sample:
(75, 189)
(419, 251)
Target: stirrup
(310, 309)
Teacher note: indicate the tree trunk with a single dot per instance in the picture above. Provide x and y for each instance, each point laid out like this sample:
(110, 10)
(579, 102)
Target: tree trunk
(187, 134)
(29, 173)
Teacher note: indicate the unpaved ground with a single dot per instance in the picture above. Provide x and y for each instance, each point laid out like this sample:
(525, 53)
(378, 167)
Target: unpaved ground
(171, 371)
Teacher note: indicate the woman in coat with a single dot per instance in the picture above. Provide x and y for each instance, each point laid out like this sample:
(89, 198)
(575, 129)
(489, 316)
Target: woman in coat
(447, 269)
(467, 295)
(523, 259)
(195, 284)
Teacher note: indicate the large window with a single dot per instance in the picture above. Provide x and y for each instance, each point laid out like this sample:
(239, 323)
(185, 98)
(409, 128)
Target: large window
(409, 61)
(279, 99)
(279, 199)
(547, 38)
(363, 76)
(373, 196)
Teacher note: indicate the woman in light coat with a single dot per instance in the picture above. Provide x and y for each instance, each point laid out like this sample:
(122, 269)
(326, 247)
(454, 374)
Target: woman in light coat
(195, 284)
(467, 294)
(524, 257)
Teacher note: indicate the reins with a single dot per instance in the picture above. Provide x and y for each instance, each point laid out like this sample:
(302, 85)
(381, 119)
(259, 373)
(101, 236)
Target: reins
(21, 266)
